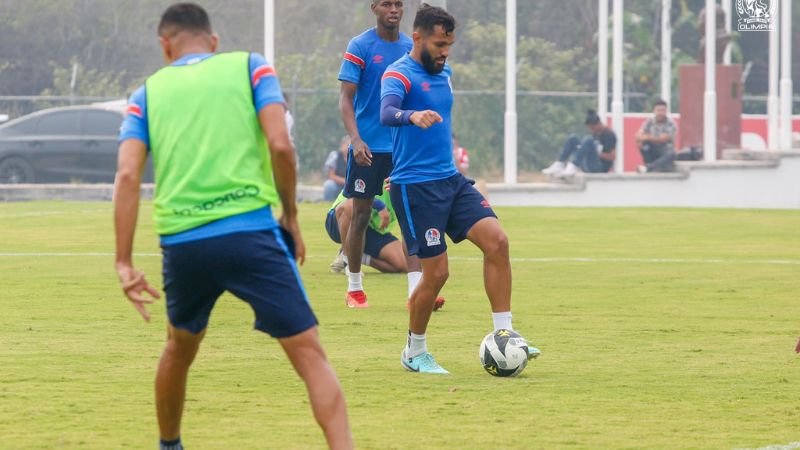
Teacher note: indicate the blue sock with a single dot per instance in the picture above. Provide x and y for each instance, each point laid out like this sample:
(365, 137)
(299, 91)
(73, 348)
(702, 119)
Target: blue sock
(174, 444)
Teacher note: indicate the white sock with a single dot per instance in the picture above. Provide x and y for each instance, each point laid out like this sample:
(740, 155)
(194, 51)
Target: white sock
(416, 345)
(366, 259)
(354, 281)
(413, 280)
(502, 321)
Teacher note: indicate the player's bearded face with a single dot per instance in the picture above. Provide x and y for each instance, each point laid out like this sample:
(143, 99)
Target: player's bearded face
(436, 49)
(431, 64)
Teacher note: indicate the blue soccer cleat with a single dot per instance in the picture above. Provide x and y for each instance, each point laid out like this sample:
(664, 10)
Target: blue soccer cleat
(533, 352)
(423, 363)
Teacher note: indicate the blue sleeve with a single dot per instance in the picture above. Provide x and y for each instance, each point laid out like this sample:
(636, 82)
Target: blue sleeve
(134, 125)
(265, 83)
(391, 114)
(353, 63)
(378, 205)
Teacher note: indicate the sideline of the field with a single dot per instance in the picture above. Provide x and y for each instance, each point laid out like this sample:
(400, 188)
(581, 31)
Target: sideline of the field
(791, 262)
(789, 446)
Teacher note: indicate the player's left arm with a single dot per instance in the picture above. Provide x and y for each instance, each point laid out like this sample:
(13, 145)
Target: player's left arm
(130, 166)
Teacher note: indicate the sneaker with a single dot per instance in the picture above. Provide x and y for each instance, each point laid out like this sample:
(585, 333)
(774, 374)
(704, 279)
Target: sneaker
(555, 169)
(569, 171)
(356, 299)
(641, 168)
(338, 264)
(533, 352)
(437, 304)
(423, 363)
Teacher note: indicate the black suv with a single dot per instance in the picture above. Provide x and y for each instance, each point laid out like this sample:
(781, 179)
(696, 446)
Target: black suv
(73, 144)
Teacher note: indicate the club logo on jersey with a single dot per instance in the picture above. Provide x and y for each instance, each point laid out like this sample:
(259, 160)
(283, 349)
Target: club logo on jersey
(360, 186)
(433, 237)
(485, 203)
(377, 59)
(426, 86)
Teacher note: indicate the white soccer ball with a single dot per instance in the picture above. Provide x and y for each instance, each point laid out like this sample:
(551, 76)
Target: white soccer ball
(504, 353)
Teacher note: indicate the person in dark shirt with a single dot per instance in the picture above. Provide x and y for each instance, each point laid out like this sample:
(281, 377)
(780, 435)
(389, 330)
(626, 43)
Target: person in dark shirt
(335, 171)
(593, 154)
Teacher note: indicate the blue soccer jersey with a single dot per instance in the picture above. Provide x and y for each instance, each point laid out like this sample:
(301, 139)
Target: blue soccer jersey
(365, 60)
(421, 155)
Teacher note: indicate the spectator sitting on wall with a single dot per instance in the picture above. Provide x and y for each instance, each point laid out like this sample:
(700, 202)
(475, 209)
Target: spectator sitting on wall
(594, 154)
(656, 141)
(335, 171)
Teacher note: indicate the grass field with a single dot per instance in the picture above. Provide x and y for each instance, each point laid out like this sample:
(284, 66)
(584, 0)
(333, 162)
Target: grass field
(660, 328)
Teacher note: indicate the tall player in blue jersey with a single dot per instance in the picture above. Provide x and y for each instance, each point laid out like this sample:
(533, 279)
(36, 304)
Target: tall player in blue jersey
(430, 196)
(370, 158)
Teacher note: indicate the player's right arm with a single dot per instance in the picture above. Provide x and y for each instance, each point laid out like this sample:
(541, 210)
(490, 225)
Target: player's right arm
(131, 159)
(350, 76)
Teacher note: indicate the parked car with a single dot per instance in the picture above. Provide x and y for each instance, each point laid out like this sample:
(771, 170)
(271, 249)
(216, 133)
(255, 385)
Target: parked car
(62, 145)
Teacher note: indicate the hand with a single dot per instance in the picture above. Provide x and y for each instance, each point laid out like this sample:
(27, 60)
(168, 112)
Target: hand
(290, 225)
(361, 152)
(425, 119)
(387, 184)
(133, 285)
(384, 215)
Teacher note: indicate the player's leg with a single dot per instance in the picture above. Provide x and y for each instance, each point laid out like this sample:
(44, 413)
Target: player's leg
(386, 252)
(488, 235)
(415, 275)
(422, 212)
(324, 392)
(363, 184)
(191, 292)
(173, 369)
(335, 229)
(263, 274)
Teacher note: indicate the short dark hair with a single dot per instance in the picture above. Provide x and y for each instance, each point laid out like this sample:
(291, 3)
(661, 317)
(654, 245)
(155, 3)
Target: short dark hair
(659, 102)
(184, 17)
(429, 16)
(591, 117)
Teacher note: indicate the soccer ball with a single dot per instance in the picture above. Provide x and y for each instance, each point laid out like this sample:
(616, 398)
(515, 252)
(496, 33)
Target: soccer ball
(504, 353)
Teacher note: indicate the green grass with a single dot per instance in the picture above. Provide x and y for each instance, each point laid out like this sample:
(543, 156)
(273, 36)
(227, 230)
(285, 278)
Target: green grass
(636, 353)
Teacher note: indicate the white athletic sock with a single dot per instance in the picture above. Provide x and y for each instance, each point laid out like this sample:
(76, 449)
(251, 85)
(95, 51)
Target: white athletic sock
(413, 280)
(366, 259)
(416, 345)
(502, 320)
(354, 281)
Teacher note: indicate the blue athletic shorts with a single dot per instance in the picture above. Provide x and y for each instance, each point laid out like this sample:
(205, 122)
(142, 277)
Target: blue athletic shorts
(373, 241)
(367, 181)
(254, 266)
(427, 210)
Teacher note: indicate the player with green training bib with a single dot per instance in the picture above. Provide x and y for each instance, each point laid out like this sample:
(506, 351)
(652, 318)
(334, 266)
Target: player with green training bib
(203, 120)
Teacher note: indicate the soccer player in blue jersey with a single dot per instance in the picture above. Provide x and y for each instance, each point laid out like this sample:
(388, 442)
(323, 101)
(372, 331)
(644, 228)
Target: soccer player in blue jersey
(430, 196)
(370, 159)
(214, 126)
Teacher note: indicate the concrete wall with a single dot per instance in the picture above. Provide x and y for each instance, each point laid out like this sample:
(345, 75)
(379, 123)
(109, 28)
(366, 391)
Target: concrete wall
(771, 184)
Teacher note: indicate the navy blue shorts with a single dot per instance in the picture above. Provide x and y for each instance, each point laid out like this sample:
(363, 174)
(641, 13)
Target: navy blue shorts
(427, 210)
(373, 241)
(367, 181)
(254, 266)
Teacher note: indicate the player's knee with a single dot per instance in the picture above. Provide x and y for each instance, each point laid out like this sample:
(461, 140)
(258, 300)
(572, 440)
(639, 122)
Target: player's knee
(437, 277)
(497, 245)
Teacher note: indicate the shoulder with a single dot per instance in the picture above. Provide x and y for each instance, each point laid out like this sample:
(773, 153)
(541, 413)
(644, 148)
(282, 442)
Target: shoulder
(406, 40)
(365, 38)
